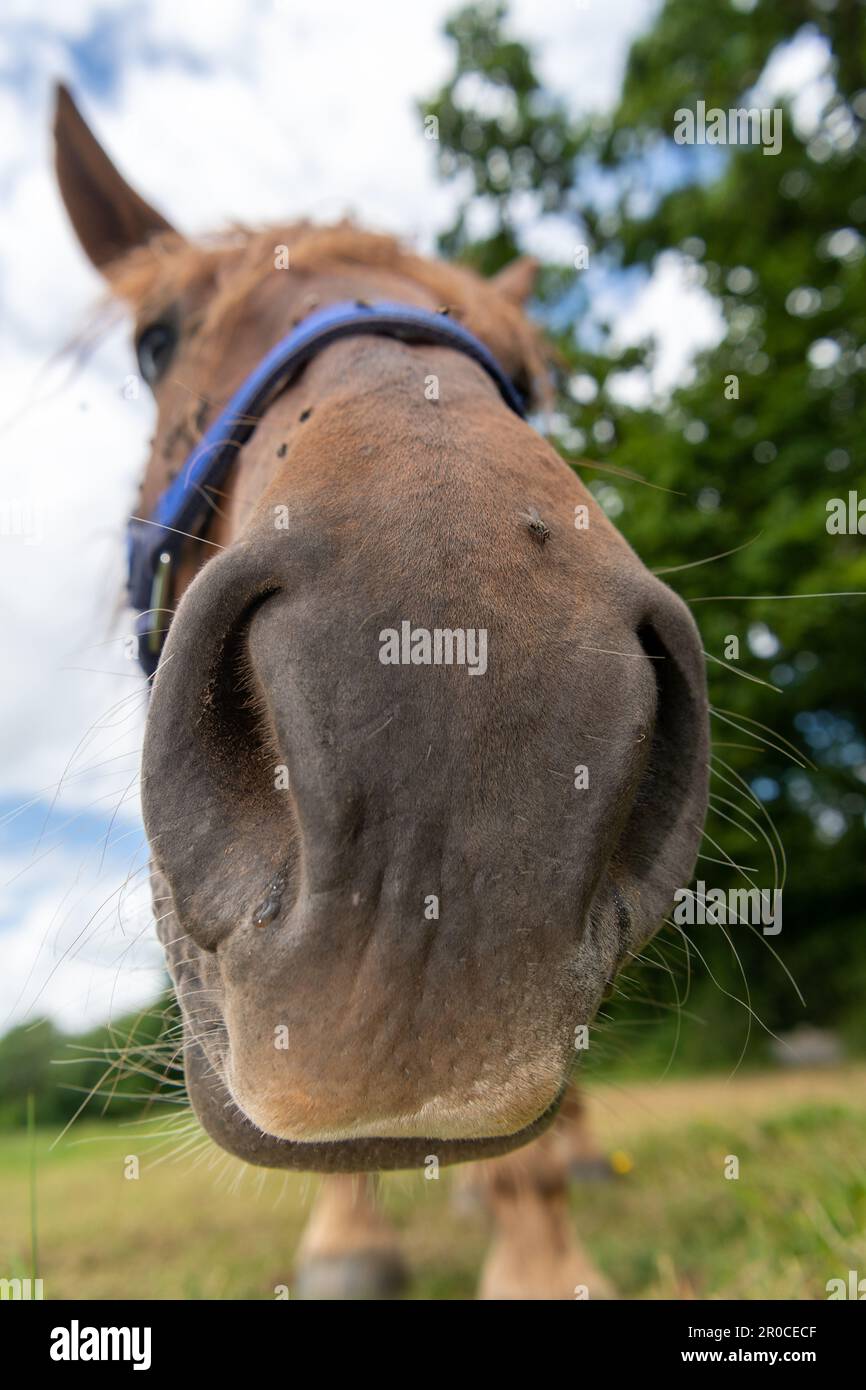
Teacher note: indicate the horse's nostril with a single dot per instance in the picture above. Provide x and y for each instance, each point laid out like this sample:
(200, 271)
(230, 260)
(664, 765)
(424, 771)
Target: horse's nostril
(234, 716)
(653, 647)
(269, 908)
(222, 828)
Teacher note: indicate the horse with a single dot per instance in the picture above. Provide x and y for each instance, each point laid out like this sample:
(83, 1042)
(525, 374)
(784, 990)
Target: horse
(393, 880)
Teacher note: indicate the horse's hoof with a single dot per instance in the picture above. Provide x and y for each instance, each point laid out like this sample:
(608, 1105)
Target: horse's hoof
(592, 1170)
(356, 1276)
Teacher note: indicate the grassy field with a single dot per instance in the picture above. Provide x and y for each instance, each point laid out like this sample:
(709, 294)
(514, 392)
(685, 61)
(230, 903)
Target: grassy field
(197, 1225)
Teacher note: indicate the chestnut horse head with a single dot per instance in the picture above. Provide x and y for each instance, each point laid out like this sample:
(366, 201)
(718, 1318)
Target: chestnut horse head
(425, 759)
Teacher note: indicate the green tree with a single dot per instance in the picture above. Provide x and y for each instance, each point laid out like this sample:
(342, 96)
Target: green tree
(114, 1070)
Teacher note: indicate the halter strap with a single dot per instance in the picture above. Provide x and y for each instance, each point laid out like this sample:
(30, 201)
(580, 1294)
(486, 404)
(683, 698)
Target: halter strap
(183, 508)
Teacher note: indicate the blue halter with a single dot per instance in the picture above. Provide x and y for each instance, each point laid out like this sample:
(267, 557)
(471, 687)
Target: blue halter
(184, 508)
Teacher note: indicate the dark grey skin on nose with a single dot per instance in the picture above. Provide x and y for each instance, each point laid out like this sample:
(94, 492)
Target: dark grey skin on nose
(401, 788)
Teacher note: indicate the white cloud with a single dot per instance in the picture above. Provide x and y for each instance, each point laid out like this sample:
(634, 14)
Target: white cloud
(81, 946)
(799, 72)
(582, 45)
(681, 316)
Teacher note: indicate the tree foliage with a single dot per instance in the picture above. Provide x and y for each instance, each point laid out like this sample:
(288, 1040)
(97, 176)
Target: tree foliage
(115, 1071)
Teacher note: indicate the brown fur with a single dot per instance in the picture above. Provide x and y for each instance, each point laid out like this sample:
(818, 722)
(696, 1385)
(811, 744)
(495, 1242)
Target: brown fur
(233, 266)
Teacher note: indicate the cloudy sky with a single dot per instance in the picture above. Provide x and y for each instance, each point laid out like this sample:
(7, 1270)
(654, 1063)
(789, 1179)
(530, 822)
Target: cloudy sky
(215, 109)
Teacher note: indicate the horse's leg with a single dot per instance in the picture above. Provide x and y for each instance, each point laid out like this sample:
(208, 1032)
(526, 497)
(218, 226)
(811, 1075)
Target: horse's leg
(587, 1161)
(348, 1249)
(535, 1253)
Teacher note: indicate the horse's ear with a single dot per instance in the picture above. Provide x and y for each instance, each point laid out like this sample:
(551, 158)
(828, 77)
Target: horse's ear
(109, 217)
(516, 281)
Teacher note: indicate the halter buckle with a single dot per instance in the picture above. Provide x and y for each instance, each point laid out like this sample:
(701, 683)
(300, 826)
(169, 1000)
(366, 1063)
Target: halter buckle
(159, 592)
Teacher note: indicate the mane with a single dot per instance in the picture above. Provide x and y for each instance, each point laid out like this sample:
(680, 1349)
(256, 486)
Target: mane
(238, 260)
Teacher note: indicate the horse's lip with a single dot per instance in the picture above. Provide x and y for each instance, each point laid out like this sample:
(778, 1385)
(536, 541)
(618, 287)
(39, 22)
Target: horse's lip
(383, 1153)
(509, 1136)
(294, 1116)
(230, 1127)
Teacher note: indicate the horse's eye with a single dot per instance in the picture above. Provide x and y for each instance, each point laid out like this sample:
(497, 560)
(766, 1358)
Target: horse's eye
(154, 348)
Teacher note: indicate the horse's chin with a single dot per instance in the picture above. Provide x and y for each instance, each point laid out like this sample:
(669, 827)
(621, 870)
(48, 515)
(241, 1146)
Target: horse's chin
(229, 1127)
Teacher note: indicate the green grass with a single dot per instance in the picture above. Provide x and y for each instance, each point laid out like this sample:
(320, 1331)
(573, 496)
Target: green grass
(201, 1226)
